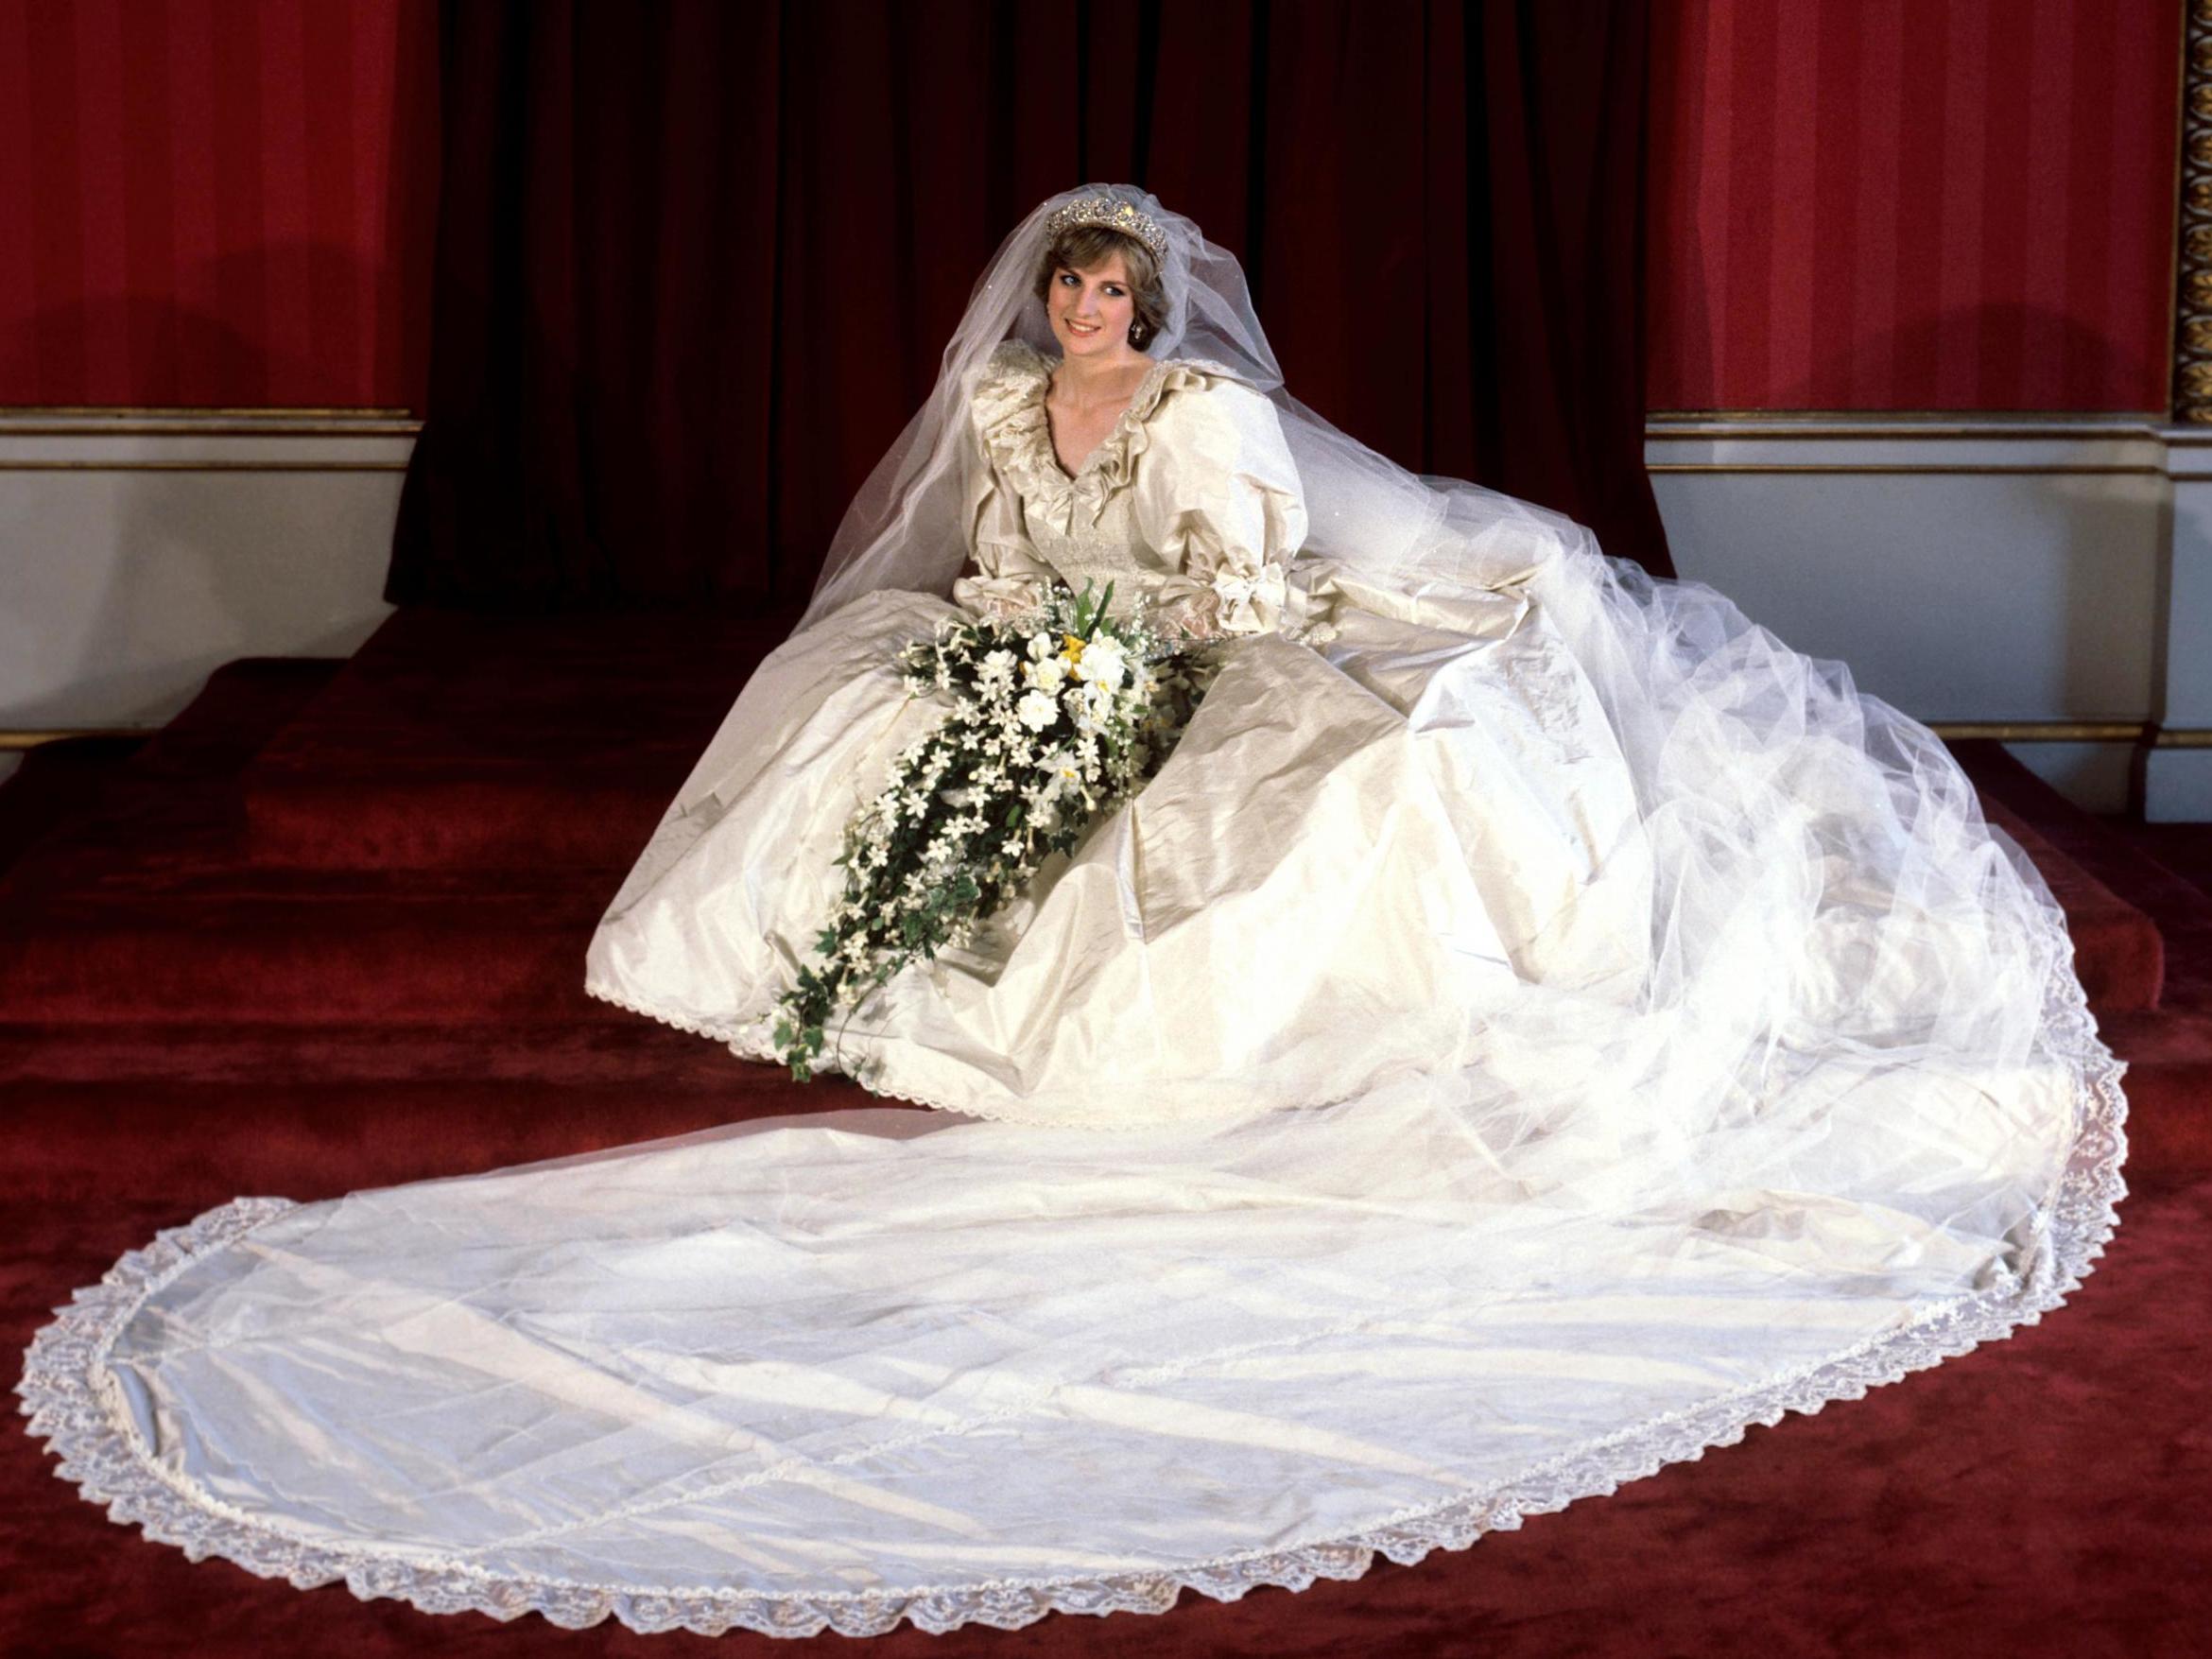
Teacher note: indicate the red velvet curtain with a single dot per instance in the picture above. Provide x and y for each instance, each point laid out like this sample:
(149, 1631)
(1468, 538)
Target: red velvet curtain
(697, 261)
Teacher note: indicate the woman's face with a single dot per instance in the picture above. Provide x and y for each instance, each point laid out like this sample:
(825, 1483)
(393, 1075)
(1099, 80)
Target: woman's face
(1090, 310)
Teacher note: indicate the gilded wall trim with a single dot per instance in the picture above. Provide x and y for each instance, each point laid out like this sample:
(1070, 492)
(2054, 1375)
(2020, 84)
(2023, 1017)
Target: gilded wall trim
(227, 427)
(1921, 469)
(96, 412)
(2192, 321)
(203, 466)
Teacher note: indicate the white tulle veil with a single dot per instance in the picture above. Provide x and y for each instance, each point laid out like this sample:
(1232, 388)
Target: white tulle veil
(1364, 510)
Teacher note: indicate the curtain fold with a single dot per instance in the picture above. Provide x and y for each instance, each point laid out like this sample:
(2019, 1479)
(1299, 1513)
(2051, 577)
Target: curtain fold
(696, 261)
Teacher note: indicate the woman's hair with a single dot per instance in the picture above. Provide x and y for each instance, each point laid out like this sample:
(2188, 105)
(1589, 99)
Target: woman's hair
(1081, 247)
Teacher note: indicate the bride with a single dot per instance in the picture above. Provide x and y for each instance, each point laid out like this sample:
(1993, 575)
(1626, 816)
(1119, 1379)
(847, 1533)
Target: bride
(1533, 1025)
(1402, 806)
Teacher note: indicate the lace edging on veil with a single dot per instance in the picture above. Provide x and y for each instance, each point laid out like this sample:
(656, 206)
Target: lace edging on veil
(74, 1402)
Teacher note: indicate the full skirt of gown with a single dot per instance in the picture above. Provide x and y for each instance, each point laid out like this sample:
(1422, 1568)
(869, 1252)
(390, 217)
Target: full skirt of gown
(1516, 1043)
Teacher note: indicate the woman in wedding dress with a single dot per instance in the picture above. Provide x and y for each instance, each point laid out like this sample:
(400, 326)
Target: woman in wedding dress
(1533, 1026)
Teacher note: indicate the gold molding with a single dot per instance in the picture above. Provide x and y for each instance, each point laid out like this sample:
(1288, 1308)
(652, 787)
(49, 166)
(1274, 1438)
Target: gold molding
(187, 429)
(2005, 419)
(2189, 314)
(31, 739)
(2148, 733)
(179, 411)
(1926, 470)
(2178, 182)
(2043, 731)
(203, 466)
(1751, 431)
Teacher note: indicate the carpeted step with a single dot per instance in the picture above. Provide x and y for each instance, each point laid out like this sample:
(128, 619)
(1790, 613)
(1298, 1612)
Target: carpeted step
(2119, 950)
(621, 1050)
(2170, 1053)
(2185, 849)
(255, 944)
(2169, 1086)
(454, 740)
(2101, 848)
(244, 704)
(77, 789)
(59, 783)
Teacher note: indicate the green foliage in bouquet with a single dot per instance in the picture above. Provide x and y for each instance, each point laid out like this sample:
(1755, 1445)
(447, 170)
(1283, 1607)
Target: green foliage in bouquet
(1056, 716)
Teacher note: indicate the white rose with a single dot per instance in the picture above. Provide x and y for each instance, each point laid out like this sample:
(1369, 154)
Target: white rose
(1104, 661)
(1038, 709)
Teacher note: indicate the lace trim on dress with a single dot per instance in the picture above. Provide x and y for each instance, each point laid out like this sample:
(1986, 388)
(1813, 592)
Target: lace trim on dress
(1009, 412)
(74, 1404)
(755, 1039)
(720, 1033)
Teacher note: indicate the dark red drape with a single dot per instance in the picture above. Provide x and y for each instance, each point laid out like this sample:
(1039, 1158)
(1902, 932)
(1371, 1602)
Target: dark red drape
(697, 261)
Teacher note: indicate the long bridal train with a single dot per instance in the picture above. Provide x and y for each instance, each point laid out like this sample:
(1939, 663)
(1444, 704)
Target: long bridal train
(1535, 1025)
(833, 1371)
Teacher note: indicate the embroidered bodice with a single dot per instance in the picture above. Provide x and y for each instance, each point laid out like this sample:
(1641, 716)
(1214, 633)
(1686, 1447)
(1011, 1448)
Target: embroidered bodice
(1190, 505)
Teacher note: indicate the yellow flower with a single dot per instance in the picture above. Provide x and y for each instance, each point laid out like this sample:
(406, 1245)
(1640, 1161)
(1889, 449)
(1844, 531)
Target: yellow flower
(1071, 648)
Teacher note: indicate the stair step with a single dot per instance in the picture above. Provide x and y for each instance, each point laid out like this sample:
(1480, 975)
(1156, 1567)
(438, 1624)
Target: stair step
(2169, 1086)
(628, 1051)
(453, 740)
(59, 783)
(74, 793)
(2184, 849)
(254, 944)
(2119, 950)
(243, 704)
(2106, 850)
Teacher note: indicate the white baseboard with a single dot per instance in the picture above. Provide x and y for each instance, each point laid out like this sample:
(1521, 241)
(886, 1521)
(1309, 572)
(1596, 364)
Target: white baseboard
(2006, 569)
(1967, 569)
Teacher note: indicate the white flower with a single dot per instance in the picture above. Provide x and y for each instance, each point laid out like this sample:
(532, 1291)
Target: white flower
(997, 668)
(1093, 706)
(1048, 674)
(1038, 709)
(1104, 661)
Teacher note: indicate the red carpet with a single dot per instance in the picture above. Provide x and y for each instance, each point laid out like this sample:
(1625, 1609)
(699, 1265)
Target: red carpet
(327, 931)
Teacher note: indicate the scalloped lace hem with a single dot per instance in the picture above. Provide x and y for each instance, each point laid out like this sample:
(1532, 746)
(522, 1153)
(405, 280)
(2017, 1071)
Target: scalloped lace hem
(752, 1041)
(731, 1035)
(72, 1402)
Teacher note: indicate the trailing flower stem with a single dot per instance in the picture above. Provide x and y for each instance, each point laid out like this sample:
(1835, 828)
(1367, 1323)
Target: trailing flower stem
(1057, 716)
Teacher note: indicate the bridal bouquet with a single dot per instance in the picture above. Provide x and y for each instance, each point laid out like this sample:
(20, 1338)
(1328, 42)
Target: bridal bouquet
(1056, 716)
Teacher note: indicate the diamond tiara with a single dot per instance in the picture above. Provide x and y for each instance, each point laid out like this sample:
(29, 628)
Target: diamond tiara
(1117, 215)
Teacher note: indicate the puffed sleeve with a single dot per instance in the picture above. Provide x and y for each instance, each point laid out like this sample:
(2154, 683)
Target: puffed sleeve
(1010, 577)
(1218, 498)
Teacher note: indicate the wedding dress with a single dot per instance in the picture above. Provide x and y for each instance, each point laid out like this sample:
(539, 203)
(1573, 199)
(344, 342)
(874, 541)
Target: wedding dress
(1534, 1026)
(1408, 822)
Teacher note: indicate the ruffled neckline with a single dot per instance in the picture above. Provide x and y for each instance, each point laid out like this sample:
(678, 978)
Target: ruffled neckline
(1017, 432)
